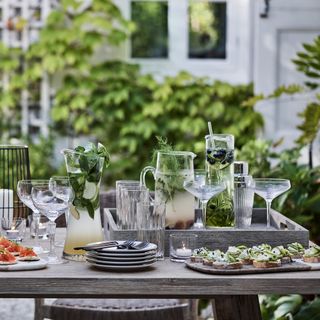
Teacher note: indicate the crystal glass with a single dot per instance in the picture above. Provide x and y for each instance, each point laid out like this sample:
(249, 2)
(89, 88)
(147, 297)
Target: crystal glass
(24, 188)
(151, 225)
(204, 190)
(269, 189)
(219, 166)
(52, 206)
(122, 184)
(182, 246)
(14, 229)
(60, 185)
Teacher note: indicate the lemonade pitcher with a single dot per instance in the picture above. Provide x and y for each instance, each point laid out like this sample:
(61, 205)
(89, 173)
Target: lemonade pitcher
(173, 168)
(84, 221)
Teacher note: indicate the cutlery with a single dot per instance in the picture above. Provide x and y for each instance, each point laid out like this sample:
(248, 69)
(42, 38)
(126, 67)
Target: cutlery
(97, 245)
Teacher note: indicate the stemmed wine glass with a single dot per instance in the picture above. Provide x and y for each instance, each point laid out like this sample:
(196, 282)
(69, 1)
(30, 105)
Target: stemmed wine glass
(24, 188)
(204, 190)
(60, 185)
(269, 189)
(52, 206)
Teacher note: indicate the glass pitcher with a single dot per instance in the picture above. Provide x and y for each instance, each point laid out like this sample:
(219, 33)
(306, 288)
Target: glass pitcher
(172, 170)
(84, 221)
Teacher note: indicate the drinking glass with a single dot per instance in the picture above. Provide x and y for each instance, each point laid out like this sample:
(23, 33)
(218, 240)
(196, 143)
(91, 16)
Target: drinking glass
(269, 189)
(204, 190)
(24, 188)
(60, 185)
(151, 225)
(14, 229)
(52, 206)
(119, 185)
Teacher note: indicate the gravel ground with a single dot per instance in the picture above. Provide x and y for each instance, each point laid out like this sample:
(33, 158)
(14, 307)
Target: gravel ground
(16, 309)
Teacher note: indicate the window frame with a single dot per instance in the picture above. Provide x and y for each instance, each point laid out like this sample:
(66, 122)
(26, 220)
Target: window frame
(235, 68)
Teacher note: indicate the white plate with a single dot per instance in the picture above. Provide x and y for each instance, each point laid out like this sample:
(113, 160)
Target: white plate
(120, 263)
(124, 255)
(24, 265)
(150, 246)
(117, 258)
(121, 268)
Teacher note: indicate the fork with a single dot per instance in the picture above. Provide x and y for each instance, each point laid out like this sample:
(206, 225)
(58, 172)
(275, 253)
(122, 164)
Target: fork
(126, 245)
(140, 245)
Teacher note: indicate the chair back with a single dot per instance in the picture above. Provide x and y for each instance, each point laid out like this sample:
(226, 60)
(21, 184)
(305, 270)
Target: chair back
(14, 166)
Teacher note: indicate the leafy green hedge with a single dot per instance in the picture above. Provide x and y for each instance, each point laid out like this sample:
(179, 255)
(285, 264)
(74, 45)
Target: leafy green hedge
(126, 110)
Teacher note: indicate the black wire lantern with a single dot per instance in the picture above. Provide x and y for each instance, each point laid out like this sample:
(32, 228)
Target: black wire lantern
(14, 166)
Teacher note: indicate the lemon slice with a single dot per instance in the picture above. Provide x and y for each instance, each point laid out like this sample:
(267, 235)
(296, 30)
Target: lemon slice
(90, 190)
(74, 212)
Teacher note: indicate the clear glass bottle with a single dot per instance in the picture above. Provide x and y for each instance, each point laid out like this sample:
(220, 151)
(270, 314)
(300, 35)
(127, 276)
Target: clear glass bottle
(219, 166)
(243, 194)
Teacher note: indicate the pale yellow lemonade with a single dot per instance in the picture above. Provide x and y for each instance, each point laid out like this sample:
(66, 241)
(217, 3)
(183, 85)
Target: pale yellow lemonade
(79, 234)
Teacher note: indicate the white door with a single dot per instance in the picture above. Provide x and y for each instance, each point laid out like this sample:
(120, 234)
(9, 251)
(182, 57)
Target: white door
(277, 38)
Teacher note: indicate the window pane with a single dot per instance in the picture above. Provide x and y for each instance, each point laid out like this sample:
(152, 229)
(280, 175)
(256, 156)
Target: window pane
(207, 30)
(150, 40)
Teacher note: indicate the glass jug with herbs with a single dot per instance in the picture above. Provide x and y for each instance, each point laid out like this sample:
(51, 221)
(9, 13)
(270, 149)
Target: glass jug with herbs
(219, 166)
(85, 167)
(173, 168)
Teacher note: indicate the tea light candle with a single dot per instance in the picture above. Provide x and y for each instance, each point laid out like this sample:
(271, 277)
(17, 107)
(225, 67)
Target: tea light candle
(183, 252)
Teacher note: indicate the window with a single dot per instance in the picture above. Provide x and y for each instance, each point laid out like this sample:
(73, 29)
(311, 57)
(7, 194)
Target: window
(150, 39)
(207, 30)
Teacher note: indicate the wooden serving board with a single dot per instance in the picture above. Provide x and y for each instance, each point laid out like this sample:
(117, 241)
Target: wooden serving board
(249, 269)
(25, 265)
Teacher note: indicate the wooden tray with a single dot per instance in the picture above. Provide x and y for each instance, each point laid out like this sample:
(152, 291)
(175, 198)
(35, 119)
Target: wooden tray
(248, 269)
(283, 231)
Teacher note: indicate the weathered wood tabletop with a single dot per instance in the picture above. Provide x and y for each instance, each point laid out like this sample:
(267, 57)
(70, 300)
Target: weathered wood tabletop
(164, 279)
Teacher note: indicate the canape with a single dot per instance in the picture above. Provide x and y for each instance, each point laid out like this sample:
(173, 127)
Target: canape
(27, 254)
(312, 255)
(6, 257)
(296, 250)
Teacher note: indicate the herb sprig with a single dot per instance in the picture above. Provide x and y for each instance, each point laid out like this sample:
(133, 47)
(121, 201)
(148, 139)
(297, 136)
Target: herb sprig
(85, 181)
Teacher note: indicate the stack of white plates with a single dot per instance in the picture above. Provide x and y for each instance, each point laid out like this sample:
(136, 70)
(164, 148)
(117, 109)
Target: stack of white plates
(115, 259)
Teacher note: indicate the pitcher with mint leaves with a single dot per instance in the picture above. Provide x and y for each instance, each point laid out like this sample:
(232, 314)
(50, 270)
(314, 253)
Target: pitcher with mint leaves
(85, 167)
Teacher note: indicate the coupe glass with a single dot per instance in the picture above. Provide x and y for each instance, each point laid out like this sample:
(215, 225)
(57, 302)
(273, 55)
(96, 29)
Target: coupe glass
(52, 206)
(269, 189)
(60, 185)
(204, 190)
(24, 188)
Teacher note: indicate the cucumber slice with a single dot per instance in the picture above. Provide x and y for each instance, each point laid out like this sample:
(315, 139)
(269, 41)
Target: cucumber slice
(90, 190)
(74, 212)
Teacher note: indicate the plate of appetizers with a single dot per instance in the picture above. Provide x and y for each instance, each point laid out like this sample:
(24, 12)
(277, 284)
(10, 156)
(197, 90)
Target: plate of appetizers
(257, 259)
(14, 257)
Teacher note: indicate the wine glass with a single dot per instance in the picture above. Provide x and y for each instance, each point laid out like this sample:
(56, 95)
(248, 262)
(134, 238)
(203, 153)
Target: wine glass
(60, 185)
(204, 190)
(269, 189)
(24, 188)
(52, 206)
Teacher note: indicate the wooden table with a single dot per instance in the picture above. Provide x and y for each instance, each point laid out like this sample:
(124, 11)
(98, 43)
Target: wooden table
(232, 294)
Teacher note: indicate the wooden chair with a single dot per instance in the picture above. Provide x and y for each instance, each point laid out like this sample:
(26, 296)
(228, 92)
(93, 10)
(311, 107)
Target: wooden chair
(115, 309)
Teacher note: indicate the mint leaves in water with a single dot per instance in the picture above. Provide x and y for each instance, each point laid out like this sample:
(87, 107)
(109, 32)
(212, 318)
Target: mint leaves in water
(85, 168)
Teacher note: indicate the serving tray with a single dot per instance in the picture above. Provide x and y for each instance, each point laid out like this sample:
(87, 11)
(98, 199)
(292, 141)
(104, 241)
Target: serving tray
(249, 269)
(282, 232)
(25, 265)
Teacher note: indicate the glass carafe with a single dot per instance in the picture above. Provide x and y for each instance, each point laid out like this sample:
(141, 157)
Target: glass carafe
(172, 170)
(219, 166)
(84, 220)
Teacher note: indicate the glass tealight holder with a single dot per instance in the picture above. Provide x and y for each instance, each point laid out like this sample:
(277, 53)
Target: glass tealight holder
(13, 229)
(182, 246)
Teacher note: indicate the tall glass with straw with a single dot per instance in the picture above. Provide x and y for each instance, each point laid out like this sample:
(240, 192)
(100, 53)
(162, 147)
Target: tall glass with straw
(219, 167)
